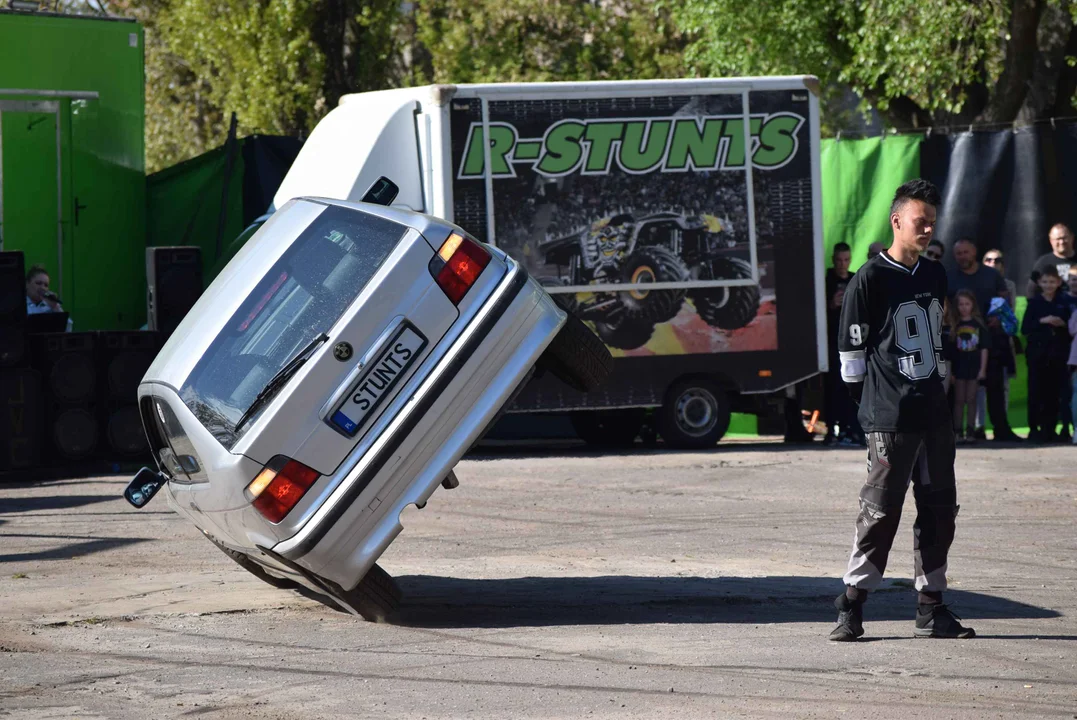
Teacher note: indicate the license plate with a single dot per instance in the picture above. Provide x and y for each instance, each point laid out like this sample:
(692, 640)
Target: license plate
(378, 381)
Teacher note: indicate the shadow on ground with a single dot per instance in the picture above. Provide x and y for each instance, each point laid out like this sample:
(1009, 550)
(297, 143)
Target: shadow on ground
(84, 546)
(50, 502)
(447, 602)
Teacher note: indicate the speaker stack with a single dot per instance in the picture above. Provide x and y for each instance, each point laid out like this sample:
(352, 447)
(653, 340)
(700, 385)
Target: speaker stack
(67, 363)
(174, 283)
(123, 358)
(21, 418)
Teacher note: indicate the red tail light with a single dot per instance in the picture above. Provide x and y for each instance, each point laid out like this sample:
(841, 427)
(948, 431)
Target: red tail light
(458, 265)
(280, 485)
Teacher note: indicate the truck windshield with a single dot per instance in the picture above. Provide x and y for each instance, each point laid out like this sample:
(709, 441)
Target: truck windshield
(301, 296)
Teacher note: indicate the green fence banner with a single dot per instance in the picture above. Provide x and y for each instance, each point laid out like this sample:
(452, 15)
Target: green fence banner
(859, 180)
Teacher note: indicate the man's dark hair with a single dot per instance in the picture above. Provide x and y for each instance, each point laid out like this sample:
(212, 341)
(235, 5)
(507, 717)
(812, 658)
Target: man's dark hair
(918, 189)
(36, 270)
(936, 243)
(841, 247)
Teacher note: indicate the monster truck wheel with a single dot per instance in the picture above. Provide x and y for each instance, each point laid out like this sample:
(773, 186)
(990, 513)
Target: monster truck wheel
(652, 264)
(577, 357)
(254, 568)
(726, 308)
(608, 428)
(376, 597)
(695, 414)
(625, 334)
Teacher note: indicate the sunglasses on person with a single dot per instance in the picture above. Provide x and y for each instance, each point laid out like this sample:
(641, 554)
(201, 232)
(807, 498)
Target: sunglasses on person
(992, 259)
(933, 254)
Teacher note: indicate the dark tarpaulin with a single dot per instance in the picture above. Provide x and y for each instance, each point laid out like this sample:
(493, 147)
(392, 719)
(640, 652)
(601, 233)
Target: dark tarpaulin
(267, 160)
(1004, 189)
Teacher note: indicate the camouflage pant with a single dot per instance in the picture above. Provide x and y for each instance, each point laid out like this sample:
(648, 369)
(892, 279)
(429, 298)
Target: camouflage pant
(926, 459)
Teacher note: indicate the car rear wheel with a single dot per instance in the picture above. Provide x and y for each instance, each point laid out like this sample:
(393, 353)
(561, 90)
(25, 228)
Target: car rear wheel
(625, 333)
(695, 415)
(608, 428)
(254, 568)
(376, 597)
(577, 357)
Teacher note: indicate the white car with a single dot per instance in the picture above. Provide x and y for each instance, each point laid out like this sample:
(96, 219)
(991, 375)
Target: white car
(334, 373)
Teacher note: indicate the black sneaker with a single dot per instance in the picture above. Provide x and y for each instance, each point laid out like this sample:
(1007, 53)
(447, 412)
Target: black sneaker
(850, 620)
(979, 434)
(938, 621)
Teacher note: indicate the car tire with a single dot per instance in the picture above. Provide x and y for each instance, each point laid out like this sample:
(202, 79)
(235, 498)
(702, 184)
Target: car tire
(625, 333)
(577, 357)
(652, 263)
(695, 414)
(608, 428)
(725, 308)
(376, 597)
(254, 568)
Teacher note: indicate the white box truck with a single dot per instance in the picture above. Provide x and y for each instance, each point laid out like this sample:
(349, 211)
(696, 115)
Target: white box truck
(674, 216)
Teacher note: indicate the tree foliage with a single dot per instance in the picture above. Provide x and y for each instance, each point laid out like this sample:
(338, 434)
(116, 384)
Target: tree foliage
(541, 40)
(920, 62)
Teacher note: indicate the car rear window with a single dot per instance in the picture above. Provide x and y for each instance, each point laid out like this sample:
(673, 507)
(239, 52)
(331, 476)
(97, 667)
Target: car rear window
(301, 296)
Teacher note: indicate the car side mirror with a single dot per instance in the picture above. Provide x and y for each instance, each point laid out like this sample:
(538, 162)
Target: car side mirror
(143, 487)
(382, 192)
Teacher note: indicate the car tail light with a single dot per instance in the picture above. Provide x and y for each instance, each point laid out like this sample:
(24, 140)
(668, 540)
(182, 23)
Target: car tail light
(279, 486)
(457, 266)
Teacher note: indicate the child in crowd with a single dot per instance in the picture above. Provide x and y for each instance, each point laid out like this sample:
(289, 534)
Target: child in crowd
(1073, 366)
(968, 336)
(1046, 326)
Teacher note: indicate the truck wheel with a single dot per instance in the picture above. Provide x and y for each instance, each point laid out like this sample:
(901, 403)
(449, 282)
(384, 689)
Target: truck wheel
(695, 414)
(652, 263)
(253, 568)
(577, 356)
(376, 597)
(608, 428)
(625, 333)
(726, 308)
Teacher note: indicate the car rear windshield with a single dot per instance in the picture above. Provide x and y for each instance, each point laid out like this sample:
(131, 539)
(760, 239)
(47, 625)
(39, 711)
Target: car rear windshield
(300, 297)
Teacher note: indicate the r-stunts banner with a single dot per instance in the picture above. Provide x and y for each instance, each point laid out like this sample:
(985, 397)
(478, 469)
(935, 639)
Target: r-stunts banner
(591, 194)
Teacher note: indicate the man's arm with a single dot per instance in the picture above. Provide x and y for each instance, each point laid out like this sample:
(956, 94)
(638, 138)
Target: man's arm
(853, 337)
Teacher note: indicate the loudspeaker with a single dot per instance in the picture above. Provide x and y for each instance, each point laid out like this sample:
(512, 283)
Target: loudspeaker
(174, 284)
(123, 358)
(69, 376)
(12, 308)
(21, 418)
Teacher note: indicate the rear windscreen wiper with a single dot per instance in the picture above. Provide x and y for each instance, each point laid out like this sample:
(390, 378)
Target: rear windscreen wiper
(278, 380)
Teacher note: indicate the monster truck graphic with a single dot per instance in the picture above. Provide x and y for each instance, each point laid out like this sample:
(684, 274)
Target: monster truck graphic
(660, 247)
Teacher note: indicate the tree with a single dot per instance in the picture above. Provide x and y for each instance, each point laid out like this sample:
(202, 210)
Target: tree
(918, 62)
(541, 40)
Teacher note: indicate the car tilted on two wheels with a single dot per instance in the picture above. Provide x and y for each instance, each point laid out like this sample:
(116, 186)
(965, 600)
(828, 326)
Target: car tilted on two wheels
(334, 373)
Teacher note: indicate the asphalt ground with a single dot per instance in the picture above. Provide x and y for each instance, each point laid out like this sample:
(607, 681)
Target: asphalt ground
(557, 583)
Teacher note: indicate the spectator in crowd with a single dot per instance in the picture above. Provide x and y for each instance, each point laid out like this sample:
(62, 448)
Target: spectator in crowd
(1002, 358)
(993, 259)
(874, 249)
(968, 337)
(840, 409)
(39, 299)
(1060, 258)
(984, 282)
(935, 250)
(1045, 325)
(1073, 365)
(1001, 366)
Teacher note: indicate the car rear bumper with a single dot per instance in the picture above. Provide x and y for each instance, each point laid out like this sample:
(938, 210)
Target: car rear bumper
(462, 394)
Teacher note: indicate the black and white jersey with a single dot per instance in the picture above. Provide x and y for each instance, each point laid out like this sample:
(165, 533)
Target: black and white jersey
(890, 339)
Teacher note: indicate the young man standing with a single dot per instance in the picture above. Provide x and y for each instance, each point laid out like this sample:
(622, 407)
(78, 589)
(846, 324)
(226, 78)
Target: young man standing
(890, 342)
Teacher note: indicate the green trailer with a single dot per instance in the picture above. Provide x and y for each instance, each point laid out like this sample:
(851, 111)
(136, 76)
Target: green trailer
(72, 167)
